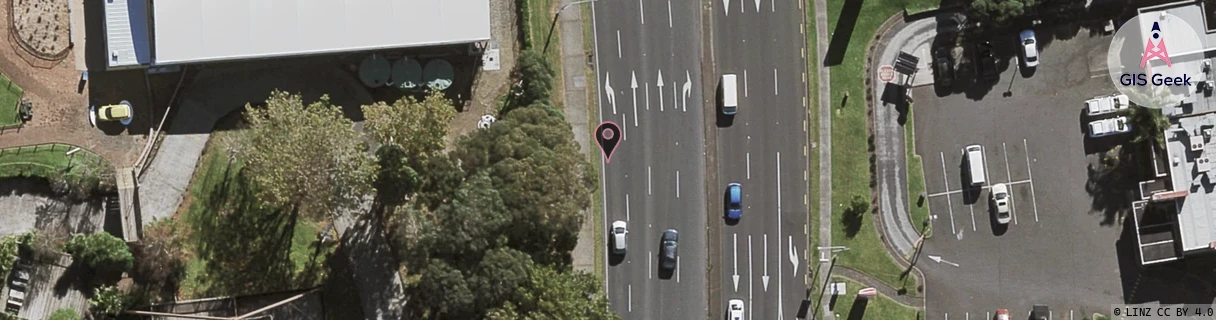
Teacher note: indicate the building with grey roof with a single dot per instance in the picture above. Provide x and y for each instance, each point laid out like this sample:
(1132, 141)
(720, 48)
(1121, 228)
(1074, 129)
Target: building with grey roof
(143, 33)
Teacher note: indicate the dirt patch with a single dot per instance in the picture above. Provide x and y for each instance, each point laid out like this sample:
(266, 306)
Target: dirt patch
(42, 25)
(489, 86)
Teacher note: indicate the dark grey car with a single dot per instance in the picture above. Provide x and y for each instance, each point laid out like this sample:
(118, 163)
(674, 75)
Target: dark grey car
(669, 252)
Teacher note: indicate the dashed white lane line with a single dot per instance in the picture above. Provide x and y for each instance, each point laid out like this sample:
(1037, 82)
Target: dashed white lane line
(775, 81)
(626, 207)
(949, 205)
(1033, 201)
(749, 166)
(1009, 177)
(618, 44)
(631, 298)
(669, 14)
(649, 264)
(745, 82)
(647, 85)
(677, 269)
(624, 134)
(649, 186)
(677, 184)
(642, 11)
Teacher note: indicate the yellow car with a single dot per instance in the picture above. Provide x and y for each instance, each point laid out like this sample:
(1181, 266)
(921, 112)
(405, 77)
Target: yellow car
(115, 112)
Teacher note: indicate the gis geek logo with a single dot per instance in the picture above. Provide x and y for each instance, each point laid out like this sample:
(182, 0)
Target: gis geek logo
(1154, 51)
(1149, 75)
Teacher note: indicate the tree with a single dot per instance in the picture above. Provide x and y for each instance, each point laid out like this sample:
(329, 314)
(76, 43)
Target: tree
(537, 76)
(101, 251)
(108, 300)
(543, 179)
(394, 179)
(471, 224)
(8, 252)
(499, 275)
(551, 294)
(419, 127)
(65, 314)
(1000, 12)
(306, 157)
(441, 177)
(447, 295)
(1148, 124)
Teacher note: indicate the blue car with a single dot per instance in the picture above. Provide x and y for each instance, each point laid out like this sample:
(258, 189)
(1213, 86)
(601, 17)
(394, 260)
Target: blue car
(734, 201)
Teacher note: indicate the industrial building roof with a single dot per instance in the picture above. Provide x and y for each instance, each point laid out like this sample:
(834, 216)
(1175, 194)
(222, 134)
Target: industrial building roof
(1197, 211)
(190, 31)
(127, 33)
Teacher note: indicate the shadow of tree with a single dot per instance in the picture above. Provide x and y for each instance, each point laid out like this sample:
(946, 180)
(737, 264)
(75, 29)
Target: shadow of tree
(1112, 180)
(853, 216)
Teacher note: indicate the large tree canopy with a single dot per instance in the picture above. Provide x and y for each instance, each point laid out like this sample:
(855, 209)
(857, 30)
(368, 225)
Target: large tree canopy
(307, 157)
(417, 126)
(1000, 12)
(101, 251)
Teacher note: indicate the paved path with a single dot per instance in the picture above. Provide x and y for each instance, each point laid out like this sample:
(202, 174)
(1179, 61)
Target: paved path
(825, 146)
(900, 231)
(574, 65)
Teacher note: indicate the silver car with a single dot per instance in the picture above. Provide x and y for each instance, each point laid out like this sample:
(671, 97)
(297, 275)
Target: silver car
(618, 236)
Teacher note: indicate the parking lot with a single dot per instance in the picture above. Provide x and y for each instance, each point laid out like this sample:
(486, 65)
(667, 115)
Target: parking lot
(1057, 250)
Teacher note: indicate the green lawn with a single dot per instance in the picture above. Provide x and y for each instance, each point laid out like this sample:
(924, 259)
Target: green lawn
(10, 95)
(812, 133)
(916, 181)
(880, 307)
(238, 245)
(850, 155)
(593, 117)
(51, 160)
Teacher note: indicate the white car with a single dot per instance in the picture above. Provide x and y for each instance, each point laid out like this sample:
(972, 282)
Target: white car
(1106, 104)
(1030, 48)
(618, 236)
(1106, 127)
(735, 309)
(1000, 198)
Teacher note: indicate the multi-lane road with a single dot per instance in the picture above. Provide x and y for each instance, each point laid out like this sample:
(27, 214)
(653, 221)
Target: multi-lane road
(649, 62)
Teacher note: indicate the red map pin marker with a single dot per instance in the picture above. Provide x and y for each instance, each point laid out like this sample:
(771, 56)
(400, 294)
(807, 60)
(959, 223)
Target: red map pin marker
(607, 135)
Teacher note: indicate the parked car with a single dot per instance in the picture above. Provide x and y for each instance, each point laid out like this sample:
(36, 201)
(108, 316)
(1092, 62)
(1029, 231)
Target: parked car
(1030, 49)
(985, 58)
(115, 112)
(1106, 104)
(1106, 127)
(944, 73)
(619, 231)
(1000, 200)
(667, 258)
(735, 309)
(734, 201)
(1002, 314)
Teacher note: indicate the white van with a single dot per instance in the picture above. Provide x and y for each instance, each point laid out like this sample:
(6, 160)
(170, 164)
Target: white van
(975, 164)
(730, 97)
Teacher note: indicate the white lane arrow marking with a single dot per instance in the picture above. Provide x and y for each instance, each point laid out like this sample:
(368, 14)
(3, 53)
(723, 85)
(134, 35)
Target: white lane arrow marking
(757, 5)
(633, 84)
(793, 256)
(736, 276)
(687, 89)
(660, 84)
(611, 93)
(726, 6)
(939, 259)
(764, 278)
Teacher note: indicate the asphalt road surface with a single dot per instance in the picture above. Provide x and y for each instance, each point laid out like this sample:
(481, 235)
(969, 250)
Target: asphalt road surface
(762, 148)
(648, 63)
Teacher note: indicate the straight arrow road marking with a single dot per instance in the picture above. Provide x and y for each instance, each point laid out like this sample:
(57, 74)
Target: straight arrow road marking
(726, 6)
(939, 259)
(633, 84)
(611, 94)
(764, 278)
(660, 84)
(736, 249)
(687, 89)
(757, 5)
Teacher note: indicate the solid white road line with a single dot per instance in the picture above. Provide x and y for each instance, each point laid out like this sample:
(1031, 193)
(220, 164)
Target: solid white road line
(774, 81)
(780, 277)
(749, 166)
(648, 97)
(735, 248)
(675, 100)
(750, 275)
(626, 207)
(669, 14)
(949, 205)
(631, 298)
(677, 184)
(618, 45)
(649, 264)
(625, 136)
(642, 11)
(971, 207)
(745, 83)
(1034, 202)
(1009, 177)
(649, 187)
(677, 269)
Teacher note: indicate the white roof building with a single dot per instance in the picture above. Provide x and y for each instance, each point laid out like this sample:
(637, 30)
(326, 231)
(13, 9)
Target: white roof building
(196, 31)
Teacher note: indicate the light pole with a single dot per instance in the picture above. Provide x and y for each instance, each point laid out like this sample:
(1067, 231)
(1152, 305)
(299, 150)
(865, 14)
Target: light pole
(827, 277)
(554, 24)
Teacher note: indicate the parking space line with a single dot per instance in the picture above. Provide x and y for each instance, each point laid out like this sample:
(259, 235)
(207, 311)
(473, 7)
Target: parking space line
(972, 208)
(1009, 177)
(944, 193)
(1033, 201)
(987, 173)
(1012, 183)
(949, 205)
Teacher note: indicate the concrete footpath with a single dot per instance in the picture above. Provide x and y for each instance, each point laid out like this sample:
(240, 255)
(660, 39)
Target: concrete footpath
(574, 79)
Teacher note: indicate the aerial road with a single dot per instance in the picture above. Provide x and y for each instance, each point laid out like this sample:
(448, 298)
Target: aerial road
(648, 62)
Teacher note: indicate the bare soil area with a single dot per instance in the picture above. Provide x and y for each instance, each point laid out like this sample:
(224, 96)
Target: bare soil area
(42, 24)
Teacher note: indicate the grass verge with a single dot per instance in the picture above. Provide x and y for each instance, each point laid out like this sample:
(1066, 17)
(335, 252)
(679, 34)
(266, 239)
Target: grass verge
(10, 95)
(878, 307)
(81, 169)
(918, 209)
(812, 133)
(850, 155)
(597, 198)
(236, 244)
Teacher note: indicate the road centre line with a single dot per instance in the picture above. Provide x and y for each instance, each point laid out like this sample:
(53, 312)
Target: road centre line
(649, 186)
(1034, 202)
(618, 44)
(745, 82)
(775, 81)
(1008, 176)
(946, 181)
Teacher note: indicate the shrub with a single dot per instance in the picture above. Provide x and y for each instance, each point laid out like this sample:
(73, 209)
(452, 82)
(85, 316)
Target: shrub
(101, 251)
